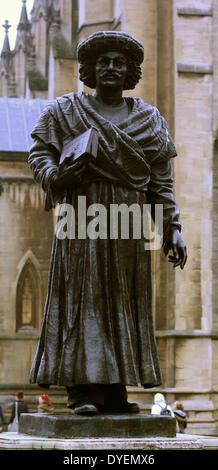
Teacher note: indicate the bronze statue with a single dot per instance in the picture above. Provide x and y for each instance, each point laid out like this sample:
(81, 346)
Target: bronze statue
(97, 333)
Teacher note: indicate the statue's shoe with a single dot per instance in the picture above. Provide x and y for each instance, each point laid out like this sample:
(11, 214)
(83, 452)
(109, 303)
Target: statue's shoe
(85, 409)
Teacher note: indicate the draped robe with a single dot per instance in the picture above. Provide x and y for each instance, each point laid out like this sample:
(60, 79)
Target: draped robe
(97, 325)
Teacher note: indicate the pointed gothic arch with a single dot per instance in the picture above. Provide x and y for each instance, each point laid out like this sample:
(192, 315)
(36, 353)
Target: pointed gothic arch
(28, 296)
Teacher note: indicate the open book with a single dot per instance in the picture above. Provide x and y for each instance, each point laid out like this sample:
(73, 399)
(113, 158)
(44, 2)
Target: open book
(85, 146)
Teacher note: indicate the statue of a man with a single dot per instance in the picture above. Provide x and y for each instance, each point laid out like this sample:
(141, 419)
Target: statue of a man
(97, 333)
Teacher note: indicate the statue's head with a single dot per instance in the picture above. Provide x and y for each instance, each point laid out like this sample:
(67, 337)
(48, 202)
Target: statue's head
(95, 52)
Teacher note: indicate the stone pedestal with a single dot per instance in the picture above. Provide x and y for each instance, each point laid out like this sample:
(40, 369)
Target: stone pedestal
(69, 426)
(17, 441)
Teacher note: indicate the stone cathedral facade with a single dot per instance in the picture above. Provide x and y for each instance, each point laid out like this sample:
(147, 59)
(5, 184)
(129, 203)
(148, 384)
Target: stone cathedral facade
(180, 77)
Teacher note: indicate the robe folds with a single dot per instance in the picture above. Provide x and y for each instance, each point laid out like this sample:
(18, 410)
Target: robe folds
(97, 325)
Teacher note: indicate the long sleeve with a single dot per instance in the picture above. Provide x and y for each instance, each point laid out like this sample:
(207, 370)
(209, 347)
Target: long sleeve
(43, 162)
(160, 191)
(45, 152)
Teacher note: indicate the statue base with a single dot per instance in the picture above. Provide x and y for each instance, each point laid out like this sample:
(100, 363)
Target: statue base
(69, 426)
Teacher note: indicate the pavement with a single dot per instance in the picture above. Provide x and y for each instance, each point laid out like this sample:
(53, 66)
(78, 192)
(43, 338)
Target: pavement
(18, 441)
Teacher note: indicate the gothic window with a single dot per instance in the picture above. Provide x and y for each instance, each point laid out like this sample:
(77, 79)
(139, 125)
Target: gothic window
(27, 298)
(27, 303)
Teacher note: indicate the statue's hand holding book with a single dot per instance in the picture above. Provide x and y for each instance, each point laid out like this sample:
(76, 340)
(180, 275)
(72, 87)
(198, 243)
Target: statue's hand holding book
(82, 148)
(76, 154)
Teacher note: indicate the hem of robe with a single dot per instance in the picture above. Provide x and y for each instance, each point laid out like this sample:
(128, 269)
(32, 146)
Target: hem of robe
(146, 385)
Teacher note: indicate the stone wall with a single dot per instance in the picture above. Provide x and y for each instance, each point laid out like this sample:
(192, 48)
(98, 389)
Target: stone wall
(26, 232)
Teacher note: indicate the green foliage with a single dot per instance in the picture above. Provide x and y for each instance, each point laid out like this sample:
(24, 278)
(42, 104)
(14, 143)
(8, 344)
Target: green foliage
(37, 81)
(62, 48)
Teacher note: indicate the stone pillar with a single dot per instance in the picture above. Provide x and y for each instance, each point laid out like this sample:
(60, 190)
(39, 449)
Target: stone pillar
(66, 19)
(59, 67)
(193, 133)
(20, 69)
(215, 168)
(41, 43)
(3, 84)
(215, 204)
(139, 18)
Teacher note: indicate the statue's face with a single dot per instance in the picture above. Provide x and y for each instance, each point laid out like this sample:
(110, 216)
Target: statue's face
(111, 69)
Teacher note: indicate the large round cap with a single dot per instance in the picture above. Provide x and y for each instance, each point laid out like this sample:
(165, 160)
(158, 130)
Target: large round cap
(105, 40)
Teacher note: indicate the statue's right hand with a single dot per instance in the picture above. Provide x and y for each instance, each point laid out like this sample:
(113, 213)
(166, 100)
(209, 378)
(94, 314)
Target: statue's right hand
(70, 175)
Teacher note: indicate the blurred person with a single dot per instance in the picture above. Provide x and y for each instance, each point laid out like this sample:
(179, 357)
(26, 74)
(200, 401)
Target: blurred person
(180, 415)
(160, 406)
(45, 405)
(1, 418)
(21, 406)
